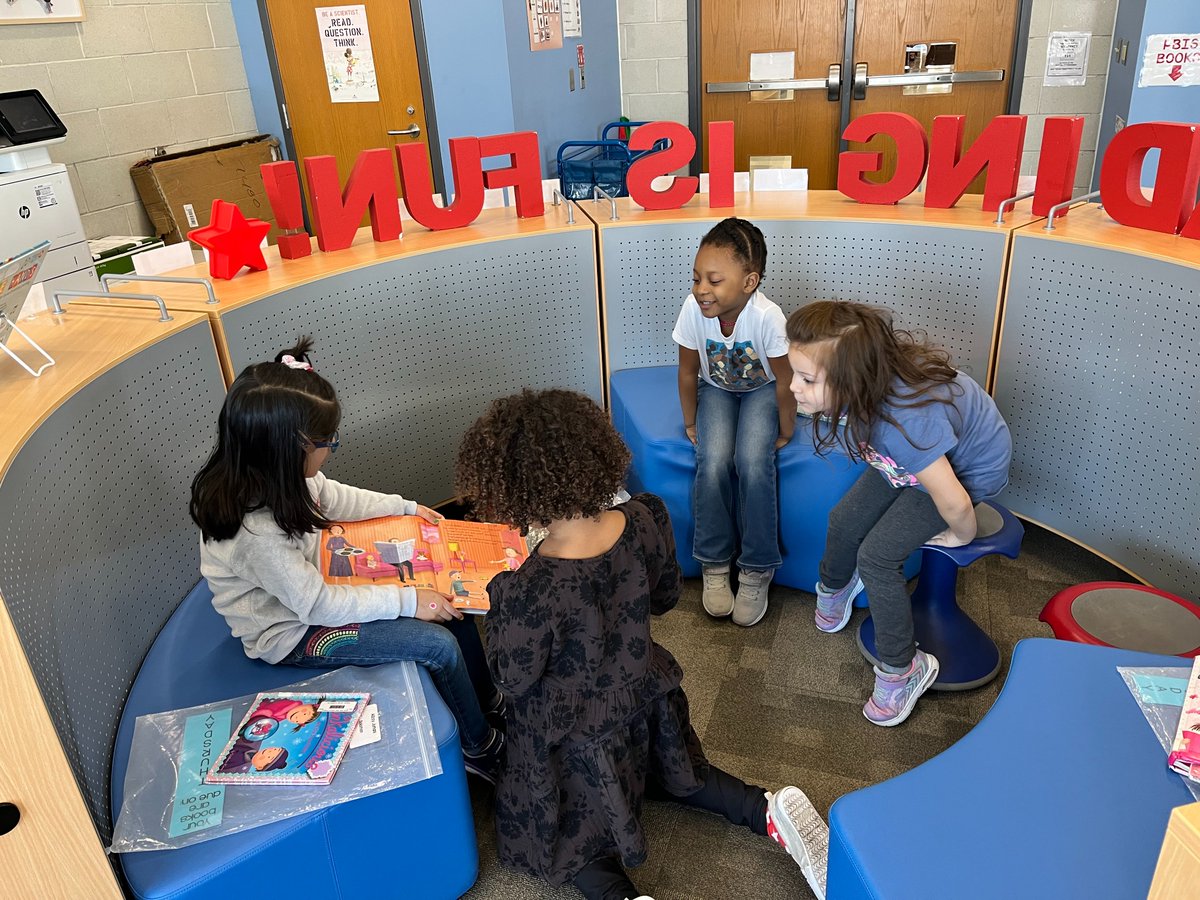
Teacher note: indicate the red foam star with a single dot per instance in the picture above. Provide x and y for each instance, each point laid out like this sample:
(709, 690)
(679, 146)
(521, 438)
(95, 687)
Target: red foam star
(232, 240)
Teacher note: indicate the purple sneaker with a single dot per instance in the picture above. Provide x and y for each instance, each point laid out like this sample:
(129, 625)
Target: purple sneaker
(895, 695)
(834, 607)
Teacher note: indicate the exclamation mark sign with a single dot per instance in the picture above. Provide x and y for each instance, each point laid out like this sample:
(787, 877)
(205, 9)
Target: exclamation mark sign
(282, 183)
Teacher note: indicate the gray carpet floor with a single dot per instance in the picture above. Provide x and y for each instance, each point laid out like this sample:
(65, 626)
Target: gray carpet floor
(781, 703)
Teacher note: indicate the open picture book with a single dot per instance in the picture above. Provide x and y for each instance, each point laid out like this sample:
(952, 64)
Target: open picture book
(289, 738)
(454, 557)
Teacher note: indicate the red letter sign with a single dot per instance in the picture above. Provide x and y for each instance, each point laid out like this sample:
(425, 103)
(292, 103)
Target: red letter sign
(468, 184)
(676, 156)
(720, 165)
(282, 183)
(1174, 185)
(998, 149)
(336, 213)
(1061, 136)
(524, 175)
(911, 150)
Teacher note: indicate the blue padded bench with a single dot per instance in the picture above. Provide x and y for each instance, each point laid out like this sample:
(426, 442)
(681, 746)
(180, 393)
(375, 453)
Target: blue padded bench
(1062, 790)
(645, 411)
(416, 841)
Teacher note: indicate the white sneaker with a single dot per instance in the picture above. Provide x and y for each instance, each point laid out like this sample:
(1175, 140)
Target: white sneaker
(717, 597)
(751, 603)
(794, 823)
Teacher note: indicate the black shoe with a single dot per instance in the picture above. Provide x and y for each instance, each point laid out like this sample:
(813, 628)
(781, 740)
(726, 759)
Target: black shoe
(486, 763)
(497, 713)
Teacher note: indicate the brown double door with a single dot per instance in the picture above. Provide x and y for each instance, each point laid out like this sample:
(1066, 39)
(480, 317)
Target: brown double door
(895, 56)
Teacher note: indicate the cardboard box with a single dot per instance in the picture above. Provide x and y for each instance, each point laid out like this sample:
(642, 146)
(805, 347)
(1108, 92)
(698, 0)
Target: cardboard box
(178, 189)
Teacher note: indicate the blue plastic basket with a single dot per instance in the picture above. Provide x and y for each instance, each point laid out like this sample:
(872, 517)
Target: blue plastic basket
(584, 165)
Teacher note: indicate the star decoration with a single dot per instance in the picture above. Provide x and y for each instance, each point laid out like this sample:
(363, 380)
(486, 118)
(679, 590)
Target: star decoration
(232, 240)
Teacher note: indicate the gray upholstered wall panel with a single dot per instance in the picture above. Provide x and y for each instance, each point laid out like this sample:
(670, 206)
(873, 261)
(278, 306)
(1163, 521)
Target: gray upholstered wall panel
(1098, 380)
(99, 546)
(944, 280)
(418, 346)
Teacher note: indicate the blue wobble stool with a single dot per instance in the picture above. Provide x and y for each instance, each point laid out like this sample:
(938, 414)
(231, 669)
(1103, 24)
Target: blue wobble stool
(968, 657)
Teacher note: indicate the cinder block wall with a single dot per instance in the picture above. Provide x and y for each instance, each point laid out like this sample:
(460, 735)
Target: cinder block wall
(130, 78)
(654, 59)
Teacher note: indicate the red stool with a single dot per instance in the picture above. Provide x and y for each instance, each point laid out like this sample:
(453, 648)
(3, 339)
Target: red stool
(1129, 616)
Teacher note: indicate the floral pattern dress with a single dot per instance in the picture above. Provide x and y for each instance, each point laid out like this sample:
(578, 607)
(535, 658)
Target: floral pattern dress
(595, 706)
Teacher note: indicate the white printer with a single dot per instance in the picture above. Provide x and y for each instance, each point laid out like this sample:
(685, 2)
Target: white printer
(36, 200)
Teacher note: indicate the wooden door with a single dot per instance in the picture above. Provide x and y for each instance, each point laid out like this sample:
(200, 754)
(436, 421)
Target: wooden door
(321, 126)
(984, 33)
(804, 127)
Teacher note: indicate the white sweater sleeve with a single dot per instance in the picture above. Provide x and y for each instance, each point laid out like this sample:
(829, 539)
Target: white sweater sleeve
(343, 503)
(280, 568)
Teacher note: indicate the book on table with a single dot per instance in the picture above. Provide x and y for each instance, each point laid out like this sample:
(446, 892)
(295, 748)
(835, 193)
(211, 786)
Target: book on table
(289, 738)
(452, 557)
(1184, 757)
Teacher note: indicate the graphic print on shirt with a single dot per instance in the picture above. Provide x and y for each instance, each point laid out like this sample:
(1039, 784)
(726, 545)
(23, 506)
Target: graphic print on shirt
(736, 368)
(895, 473)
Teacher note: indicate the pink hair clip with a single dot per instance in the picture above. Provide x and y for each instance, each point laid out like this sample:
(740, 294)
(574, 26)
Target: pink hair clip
(292, 363)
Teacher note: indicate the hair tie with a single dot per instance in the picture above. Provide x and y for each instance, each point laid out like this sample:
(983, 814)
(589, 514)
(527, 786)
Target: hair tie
(292, 363)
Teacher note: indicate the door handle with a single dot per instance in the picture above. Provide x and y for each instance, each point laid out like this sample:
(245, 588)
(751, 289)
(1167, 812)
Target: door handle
(859, 90)
(833, 83)
(412, 130)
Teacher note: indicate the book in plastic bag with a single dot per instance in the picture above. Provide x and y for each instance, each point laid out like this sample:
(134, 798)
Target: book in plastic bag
(1184, 757)
(289, 738)
(453, 557)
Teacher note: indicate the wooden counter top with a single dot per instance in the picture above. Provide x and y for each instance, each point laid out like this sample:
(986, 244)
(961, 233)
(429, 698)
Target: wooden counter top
(282, 274)
(85, 343)
(1090, 224)
(830, 205)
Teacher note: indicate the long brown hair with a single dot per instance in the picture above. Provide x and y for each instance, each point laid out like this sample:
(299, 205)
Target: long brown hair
(865, 359)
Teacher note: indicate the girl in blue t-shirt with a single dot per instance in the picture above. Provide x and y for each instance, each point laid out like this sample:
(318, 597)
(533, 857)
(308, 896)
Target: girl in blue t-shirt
(737, 411)
(938, 445)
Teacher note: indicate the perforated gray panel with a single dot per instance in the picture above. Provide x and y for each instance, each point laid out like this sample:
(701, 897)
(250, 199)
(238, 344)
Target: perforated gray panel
(943, 280)
(1098, 380)
(98, 546)
(419, 346)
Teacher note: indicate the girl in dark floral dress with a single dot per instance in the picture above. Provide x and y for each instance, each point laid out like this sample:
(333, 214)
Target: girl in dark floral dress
(597, 719)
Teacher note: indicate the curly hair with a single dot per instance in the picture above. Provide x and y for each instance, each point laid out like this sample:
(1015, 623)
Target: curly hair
(743, 239)
(538, 456)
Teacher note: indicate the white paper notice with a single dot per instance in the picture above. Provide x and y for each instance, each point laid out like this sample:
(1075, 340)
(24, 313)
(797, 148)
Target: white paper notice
(347, 57)
(1171, 60)
(780, 66)
(572, 18)
(1067, 58)
(367, 730)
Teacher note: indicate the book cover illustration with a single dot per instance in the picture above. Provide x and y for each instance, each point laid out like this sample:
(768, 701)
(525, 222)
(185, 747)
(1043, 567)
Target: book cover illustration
(1184, 757)
(16, 278)
(454, 557)
(288, 738)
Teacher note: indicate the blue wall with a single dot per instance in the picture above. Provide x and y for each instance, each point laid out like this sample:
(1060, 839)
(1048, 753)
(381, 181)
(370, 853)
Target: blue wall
(1136, 21)
(258, 71)
(541, 96)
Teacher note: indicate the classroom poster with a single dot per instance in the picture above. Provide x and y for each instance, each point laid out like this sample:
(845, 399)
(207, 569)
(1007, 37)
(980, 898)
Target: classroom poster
(347, 57)
(572, 19)
(545, 24)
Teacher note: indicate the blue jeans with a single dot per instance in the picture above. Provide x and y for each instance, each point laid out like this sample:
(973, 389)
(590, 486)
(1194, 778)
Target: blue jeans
(453, 654)
(736, 434)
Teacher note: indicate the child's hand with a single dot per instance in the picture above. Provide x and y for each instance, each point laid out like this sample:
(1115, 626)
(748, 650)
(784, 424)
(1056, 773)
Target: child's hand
(946, 539)
(690, 430)
(433, 606)
(429, 515)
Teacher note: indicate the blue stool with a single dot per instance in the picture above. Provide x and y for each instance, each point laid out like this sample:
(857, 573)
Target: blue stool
(415, 841)
(1061, 791)
(646, 413)
(968, 657)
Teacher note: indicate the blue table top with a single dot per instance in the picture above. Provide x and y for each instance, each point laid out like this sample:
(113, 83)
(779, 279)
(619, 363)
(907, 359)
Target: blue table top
(1062, 790)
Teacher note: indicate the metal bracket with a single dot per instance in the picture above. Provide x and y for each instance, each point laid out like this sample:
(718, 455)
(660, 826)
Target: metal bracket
(861, 79)
(20, 362)
(57, 296)
(1010, 203)
(1065, 204)
(555, 196)
(106, 280)
(598, 193)
(833, 83)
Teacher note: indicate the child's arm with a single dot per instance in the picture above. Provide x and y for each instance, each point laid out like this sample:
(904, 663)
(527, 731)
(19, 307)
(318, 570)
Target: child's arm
(519, 640)
(662, 568)
(783, 395)
(344, 503)
(689, 371)
(952, 502)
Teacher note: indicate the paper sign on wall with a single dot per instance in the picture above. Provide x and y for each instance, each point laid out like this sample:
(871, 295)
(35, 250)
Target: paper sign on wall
(1067, 58)
(572, 19)
(1171, 60)
(545, 24)
(348, 60)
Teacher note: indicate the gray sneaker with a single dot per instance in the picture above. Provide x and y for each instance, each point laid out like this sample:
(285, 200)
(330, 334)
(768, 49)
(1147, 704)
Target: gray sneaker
(717, 597)
(751, 603)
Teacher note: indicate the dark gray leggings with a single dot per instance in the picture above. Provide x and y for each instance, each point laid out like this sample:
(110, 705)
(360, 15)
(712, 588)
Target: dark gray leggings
(876, 527)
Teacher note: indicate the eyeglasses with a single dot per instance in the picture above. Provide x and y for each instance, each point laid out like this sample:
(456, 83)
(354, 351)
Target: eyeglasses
(332, 443)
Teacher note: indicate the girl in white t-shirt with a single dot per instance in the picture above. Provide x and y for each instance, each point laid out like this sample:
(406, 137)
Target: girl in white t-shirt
(737, 411)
